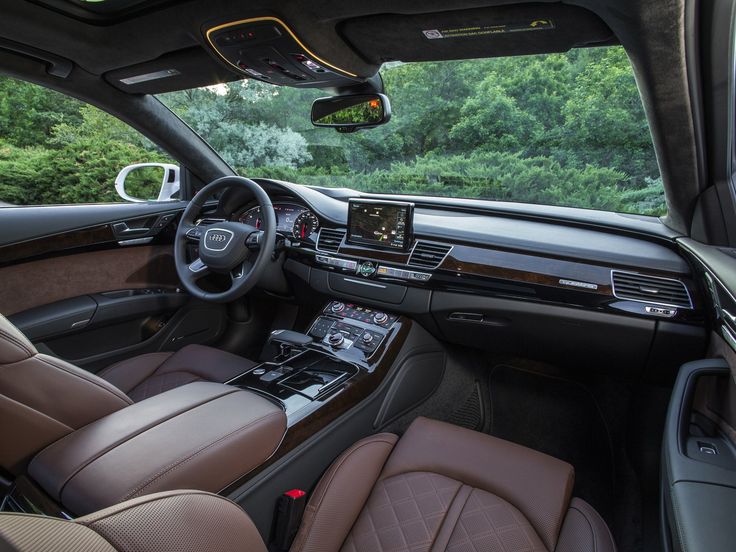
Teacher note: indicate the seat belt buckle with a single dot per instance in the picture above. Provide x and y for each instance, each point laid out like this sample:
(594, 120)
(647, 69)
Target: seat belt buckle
(289, 512)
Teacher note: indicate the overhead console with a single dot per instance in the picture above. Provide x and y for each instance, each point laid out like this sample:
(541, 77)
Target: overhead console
(266, 49)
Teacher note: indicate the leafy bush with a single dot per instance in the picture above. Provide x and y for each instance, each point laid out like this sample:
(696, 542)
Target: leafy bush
(561, 129)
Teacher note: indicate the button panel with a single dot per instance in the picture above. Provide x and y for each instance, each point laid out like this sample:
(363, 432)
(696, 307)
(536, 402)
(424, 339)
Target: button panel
(338, 263)
(392, 272)
(346, 325)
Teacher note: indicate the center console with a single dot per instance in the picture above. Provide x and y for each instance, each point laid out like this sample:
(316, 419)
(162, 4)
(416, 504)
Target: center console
(344, 341)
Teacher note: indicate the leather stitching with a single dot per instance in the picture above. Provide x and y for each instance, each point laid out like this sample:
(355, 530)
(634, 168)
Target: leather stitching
(312, 510)
(342, 460)
(110, 368)
(183, 460)
(17, 342)
(120, 396)
(93, 518)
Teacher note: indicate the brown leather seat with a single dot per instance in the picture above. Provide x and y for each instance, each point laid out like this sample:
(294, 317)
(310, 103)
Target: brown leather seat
(175, 521)
(442, 487)
(147, 375)
(438, 488)
(43, 398)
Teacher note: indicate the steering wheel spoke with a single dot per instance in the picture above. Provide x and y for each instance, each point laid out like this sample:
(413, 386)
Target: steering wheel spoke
(240, 271)
(198, 269)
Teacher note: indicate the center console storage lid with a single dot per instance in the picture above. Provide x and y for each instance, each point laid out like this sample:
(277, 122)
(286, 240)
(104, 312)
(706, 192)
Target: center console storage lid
(198, 436)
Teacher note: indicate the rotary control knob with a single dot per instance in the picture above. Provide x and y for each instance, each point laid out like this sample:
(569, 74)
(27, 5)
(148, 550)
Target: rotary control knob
(335, 339)
(367, 337)
(380, 318)
(338, 307)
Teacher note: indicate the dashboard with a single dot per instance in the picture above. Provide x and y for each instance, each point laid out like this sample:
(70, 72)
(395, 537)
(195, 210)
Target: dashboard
(292, 220)
(396, 249)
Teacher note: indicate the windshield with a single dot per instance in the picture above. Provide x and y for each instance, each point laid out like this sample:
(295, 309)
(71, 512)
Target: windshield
(560, 129)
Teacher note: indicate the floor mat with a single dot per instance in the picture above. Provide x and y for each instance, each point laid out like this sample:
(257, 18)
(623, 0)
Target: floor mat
(561, 418)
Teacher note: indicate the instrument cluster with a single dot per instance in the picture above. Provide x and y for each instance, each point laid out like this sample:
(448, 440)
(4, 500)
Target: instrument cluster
(292, 220)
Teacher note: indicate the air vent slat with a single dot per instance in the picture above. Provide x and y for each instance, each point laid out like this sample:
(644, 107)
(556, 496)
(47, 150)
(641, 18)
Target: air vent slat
(329, 239)
(428, 255)
(650, 289)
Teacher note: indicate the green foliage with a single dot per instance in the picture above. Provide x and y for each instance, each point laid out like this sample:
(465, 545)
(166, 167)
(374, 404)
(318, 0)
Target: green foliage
(562, 129)
(76, 163)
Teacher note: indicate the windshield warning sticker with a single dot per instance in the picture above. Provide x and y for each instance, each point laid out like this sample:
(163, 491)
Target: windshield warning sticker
(483, 30)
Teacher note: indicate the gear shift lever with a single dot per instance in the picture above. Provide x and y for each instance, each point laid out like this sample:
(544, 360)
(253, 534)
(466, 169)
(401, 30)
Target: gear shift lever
(287, 340)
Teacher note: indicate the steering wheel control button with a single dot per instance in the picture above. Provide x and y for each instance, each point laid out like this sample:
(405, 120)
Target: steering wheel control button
(194, 233)
(367, 269)
(380, 318)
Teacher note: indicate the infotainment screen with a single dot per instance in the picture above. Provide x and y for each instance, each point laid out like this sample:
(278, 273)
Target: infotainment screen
(382, 224)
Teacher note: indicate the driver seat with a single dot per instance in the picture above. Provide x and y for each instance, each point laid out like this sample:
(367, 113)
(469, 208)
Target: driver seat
(43, 398)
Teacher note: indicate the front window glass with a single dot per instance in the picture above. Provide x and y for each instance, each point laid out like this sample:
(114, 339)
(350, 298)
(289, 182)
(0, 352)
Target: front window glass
(559, 129)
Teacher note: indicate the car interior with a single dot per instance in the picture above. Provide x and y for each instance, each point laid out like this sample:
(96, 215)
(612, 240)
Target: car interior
(249, 363)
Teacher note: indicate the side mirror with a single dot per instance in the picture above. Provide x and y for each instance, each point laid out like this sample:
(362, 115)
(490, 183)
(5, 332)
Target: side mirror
(148, 182)
(351, 113)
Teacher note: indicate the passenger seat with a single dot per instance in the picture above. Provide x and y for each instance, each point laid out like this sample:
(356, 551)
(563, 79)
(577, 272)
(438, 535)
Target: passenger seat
(439, 487)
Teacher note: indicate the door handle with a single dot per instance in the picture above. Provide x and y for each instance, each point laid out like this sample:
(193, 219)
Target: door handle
(122, 229)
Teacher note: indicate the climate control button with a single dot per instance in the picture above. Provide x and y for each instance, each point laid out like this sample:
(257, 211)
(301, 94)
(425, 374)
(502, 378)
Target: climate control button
(338, 307)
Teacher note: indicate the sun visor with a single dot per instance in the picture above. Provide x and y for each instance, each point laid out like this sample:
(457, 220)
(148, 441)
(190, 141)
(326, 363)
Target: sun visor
(180, 70)
(475, 33)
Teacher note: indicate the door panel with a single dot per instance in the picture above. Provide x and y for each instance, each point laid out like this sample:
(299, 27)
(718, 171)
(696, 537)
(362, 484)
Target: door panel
(93, 295)
(699, 446)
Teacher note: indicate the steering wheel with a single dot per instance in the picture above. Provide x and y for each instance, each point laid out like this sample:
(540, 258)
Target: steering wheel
(233, 248)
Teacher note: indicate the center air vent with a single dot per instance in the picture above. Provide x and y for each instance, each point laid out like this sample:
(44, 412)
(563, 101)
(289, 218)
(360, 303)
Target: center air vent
(329, 239)
(428, 255)
(650, 289)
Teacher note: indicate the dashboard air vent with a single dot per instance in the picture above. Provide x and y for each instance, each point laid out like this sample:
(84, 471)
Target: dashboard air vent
(650, 289)
(428, 255)
(329, 239)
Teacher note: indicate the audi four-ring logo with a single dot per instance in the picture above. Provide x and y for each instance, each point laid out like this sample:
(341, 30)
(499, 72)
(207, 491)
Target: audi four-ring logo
(217, 239)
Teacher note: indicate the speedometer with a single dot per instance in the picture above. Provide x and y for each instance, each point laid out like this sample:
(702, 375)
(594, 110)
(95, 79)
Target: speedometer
(305, 225)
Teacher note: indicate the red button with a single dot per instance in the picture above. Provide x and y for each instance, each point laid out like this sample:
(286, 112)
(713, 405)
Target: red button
(295, 493)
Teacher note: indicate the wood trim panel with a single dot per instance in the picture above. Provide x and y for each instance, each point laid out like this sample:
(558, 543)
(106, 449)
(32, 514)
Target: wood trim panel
(530, 269)
(56, 243)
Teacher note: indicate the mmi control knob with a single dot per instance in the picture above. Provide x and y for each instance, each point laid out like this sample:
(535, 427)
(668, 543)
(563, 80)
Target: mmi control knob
(335, 339)
(380, 318)
(367, 337)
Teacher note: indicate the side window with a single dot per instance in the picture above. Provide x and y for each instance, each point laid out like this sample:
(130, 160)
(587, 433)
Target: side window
(57, 150)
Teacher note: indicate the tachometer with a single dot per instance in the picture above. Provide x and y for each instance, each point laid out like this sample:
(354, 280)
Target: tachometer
(253, 218)
(305, 225)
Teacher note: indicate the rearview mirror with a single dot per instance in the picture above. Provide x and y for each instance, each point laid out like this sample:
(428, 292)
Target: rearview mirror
(148, 182)
(351, 113)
